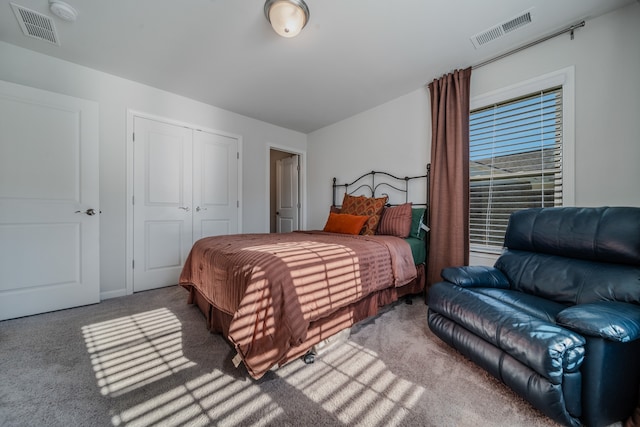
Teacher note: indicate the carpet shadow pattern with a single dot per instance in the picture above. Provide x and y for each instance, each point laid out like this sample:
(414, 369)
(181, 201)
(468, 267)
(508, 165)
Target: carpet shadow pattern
(147, 359)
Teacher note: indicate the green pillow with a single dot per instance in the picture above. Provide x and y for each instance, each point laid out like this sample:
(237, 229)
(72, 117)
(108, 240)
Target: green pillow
(417, 215)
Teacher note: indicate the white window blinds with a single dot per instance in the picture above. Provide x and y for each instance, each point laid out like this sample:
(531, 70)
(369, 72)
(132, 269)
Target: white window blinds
(515, 162)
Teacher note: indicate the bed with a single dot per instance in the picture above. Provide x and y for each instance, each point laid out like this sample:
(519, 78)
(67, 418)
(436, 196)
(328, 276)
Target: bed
(276, 296)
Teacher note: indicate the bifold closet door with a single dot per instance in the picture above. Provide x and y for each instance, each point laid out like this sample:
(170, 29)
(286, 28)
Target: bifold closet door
(215, 185)
(185, 188)
(162, 205)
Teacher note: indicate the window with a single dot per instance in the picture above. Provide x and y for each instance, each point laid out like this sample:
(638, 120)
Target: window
(516, 162)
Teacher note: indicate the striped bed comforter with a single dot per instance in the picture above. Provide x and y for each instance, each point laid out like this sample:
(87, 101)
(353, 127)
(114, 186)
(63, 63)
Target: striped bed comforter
(275, 285)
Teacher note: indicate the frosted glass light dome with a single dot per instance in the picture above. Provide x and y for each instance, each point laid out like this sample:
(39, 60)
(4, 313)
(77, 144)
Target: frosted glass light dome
(287, 17)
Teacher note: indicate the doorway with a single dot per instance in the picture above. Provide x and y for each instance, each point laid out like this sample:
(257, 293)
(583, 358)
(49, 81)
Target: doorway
(284, 191)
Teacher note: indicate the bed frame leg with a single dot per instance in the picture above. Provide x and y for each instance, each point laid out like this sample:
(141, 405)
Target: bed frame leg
(309, 357)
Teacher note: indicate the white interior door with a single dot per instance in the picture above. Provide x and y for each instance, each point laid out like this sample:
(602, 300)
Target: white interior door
(287, 195)
(162, 202)
(215, 185)
(49, 196)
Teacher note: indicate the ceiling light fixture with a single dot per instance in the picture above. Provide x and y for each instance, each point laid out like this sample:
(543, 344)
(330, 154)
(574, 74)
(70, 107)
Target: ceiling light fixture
(62, 10)
(287, 17)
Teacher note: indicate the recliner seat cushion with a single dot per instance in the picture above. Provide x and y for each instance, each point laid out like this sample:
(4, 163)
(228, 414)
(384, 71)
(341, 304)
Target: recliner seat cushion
(546, 348)
(562, 402)
(539, 307)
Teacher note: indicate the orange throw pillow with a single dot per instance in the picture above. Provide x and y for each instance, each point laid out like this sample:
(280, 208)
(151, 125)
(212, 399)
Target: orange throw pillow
(369, 206)
(344, 223)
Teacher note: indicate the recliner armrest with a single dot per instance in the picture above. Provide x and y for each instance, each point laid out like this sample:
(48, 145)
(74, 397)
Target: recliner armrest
(612, 320)
(476, 276)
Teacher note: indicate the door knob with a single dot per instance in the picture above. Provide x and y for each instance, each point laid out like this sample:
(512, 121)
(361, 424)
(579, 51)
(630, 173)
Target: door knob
(89, 212)
(185, 208)
(198, 209)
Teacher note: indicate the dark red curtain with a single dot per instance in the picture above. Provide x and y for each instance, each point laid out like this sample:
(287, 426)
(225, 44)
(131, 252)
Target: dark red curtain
(449, 186)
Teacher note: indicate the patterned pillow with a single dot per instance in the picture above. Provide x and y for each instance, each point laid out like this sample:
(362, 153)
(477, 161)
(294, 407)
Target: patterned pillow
(369, 206)
(396, 221)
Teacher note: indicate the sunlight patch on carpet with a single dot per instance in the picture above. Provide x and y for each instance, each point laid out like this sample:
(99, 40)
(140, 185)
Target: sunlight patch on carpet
(357, 387)
(213, 397)
(131, 351)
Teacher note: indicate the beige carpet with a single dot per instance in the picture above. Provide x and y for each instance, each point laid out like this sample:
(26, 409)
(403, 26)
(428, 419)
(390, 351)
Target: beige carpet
(147, 359)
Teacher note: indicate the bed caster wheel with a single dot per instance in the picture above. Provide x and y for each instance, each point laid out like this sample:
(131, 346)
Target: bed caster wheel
(309, 358)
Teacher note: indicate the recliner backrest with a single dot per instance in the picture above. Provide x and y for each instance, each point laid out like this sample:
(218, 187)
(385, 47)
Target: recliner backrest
(607, 234)
(574, 255)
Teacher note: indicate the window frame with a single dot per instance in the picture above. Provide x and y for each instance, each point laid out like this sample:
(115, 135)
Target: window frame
(564, 78)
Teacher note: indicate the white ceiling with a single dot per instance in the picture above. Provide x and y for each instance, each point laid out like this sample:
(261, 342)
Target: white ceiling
(352, 56)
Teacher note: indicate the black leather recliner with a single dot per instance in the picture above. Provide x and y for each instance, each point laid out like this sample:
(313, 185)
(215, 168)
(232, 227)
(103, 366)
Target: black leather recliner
(557, 318)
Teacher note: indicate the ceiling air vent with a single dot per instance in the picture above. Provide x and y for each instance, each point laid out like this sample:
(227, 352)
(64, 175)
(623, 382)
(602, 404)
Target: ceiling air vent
(35, 24)
(502, 29)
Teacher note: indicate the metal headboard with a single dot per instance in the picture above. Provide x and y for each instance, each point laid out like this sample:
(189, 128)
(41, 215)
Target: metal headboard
(376, 183)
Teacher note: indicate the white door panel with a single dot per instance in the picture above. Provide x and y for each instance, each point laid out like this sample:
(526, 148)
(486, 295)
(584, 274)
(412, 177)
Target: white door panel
(56, 243)
(215, 227)
(215, 185)
(162, 202)
(163, 246)
(42, 158)
(49, 248)
(287, 195)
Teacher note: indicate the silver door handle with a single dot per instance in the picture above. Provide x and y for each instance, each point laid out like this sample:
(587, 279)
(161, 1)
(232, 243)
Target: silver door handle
(89, 212)
(185, 208)
(198, 209)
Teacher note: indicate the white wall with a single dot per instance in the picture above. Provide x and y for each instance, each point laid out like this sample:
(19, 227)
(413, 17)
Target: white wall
(114, 96)
(393, 137)
(397, 135)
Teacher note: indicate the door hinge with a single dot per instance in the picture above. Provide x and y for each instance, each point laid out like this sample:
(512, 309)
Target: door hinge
(298, 167)
(133, 264)
(133, 200)
(238, 155)
(134, 137)
(238, 203)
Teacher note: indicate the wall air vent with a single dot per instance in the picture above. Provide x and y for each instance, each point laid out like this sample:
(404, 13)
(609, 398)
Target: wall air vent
(517, 22)
(500, 30)
(35, 24)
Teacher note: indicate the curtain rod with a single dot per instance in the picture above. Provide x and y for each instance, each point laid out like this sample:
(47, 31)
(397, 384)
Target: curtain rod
(570, 29)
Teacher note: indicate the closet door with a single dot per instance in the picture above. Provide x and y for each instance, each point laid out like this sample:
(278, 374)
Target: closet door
(162, 202)
(215, 185)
